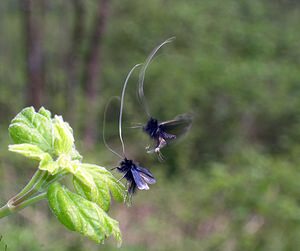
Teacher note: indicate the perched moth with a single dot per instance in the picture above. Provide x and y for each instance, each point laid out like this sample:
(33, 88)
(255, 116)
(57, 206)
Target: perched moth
(136, 176)
(162, 132)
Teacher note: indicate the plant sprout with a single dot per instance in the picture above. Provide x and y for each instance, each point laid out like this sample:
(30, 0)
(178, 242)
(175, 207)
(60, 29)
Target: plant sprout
(49, 140)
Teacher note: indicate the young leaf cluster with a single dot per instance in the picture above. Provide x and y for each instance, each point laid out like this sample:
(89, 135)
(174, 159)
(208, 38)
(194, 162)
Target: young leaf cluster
(50, 141)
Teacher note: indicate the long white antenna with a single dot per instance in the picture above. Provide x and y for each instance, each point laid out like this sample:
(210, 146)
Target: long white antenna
(104, 124)
(122, 104)
(142, 75)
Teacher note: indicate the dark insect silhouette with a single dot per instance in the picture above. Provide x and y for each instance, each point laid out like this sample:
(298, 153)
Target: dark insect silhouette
(136, 176)
(162, 132)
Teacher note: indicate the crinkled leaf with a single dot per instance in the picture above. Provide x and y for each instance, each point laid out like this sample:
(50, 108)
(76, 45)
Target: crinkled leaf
(45, 112)
(39, 137)
(65, 162)
(64, 140)
(81, 215)
(96, 183)
(101, 174)
(34, 152)
(86, 186)
(34, 128)
(48, 164)
(28, 150)
(75, 155)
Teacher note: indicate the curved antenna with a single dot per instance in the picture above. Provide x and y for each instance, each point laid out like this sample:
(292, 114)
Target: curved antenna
(142, 75)
(122, 104)
(104, 124)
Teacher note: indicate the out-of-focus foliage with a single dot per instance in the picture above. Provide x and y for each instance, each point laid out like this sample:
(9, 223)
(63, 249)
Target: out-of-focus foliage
(233, 182)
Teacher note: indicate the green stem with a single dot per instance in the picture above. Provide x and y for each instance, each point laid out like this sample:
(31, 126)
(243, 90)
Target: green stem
(29, 190)
(30, 201)
(52, 179)
(38, 184)
(9, 208)
(4, 211)
(34, 185)
(35, 181)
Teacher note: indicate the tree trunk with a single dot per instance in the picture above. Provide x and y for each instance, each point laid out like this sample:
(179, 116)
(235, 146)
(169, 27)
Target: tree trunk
(32, 11)
(73, 60)
(92, 73)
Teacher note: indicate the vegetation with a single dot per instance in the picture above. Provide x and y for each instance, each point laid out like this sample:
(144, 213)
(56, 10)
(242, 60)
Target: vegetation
(232, 183)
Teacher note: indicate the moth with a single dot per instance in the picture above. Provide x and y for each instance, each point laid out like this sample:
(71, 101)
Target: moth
(162, 132)
(166, 131)
(137, 177)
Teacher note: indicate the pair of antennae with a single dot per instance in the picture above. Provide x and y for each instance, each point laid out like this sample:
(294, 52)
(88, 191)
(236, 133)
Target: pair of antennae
(120, 116)
(141, 96)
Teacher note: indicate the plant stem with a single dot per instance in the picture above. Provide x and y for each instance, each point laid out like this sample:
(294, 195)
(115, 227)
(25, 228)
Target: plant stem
(30, 201)
(36, 180)
(24, 196)
(9, 208)
(4, 211)
(53, 179)
(31, 193)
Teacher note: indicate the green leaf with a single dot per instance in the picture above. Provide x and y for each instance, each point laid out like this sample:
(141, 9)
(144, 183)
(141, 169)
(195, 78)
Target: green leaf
(28, 150)
(33, 128)
(48, 164)
(86, 186)
(43, 134)
(45, 112)
(64, 140)
(75, 155)
(34, 152)
(81, 215)
(99, 173)
(95, 183)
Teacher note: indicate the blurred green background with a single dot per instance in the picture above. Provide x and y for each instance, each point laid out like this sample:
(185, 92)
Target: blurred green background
(231, 184)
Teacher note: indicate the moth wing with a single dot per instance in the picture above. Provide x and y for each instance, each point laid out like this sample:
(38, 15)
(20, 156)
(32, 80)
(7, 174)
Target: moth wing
(177, 126)
(140, 182)
(131, 187)
(146, 175)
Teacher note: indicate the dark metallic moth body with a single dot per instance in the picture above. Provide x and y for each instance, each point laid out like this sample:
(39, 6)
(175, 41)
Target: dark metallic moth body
(137, 176)
(157, 131)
